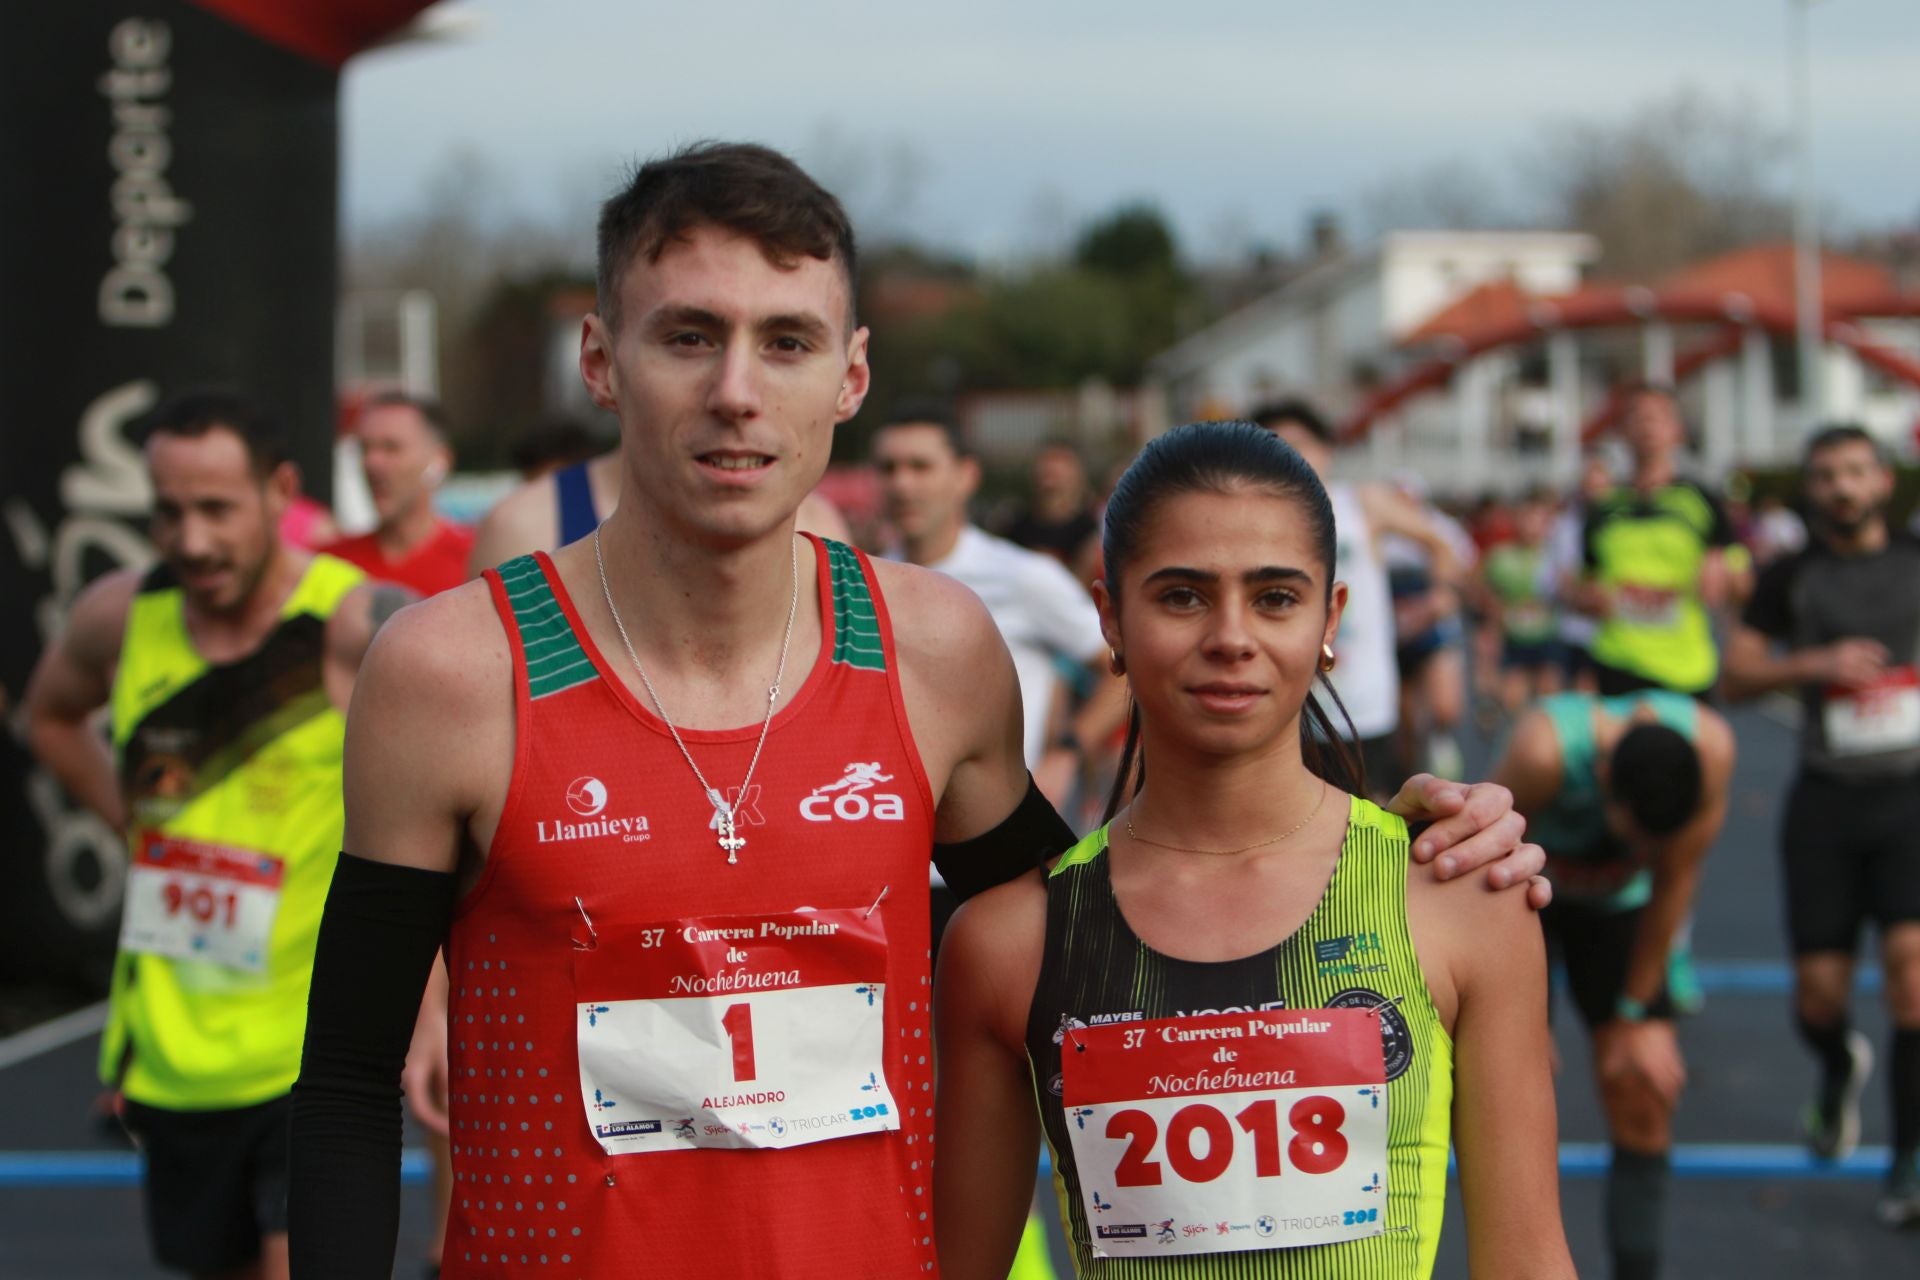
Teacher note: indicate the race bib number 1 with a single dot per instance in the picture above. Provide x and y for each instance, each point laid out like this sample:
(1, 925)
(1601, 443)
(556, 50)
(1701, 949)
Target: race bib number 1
(1225, 1132)
(195, 901)
(735, 1031)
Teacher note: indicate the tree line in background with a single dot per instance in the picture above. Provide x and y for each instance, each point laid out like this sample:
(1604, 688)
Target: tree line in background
(1675, 181)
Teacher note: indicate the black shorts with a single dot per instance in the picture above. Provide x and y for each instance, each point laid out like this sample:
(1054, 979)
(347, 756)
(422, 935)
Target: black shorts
(1595, 947)
(1575, 659)
(1528, 655)
(1615, 681)
(1852, 854)
(216, 1181)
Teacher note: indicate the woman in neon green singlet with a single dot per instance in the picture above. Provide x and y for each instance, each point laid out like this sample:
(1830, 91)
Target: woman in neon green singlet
(1250, 1032)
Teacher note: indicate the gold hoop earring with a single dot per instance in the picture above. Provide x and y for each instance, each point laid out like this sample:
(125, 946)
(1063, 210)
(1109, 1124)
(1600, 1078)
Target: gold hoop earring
(1116, 663)
(1328, 660)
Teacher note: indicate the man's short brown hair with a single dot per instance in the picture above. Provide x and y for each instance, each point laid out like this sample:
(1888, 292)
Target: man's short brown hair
(746, 188)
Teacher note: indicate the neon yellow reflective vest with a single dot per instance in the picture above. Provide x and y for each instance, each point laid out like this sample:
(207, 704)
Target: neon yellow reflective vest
(222, 766)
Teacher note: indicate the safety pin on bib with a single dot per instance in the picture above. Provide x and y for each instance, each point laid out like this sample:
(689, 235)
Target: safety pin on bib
(1067, 1029)
(593, 935)
(877, 901)
(1386, 1002)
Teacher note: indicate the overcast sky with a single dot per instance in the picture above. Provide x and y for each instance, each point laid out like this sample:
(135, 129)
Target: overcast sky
(993, 126)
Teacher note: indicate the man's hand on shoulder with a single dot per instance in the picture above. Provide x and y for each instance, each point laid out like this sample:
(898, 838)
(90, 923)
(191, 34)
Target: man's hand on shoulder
(1472, 825)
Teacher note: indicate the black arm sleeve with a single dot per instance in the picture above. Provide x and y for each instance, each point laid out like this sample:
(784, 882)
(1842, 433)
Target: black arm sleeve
(382, 926)
(1023, 840)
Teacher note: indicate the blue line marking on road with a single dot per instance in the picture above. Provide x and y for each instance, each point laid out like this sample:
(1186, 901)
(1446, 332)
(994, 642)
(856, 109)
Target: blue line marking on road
(1758, 977)
(1722, 1161)
(124, 1168)
(1765, 977)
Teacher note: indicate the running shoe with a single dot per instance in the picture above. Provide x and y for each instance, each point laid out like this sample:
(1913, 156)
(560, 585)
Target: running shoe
(1684, 991)
(1832, 1120)
(1900, 1202)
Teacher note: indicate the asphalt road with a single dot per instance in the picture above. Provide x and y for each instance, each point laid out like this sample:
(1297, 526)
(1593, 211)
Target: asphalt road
(1749, 1078)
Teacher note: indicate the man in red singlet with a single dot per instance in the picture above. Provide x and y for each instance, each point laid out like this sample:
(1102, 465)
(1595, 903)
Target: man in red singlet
(684, 776)
(406, 455)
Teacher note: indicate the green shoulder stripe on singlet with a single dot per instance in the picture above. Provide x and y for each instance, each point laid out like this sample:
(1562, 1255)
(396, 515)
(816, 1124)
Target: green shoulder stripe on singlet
(856, 624)
(555, 660)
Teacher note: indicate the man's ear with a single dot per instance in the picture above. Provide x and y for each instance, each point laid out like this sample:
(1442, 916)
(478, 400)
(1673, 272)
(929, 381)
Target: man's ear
(857, 380)
(597, 368)
(282, 486)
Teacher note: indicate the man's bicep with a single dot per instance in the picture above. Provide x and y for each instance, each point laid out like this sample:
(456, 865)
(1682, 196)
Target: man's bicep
(989, 776)
(402, 769)
(65, 685)
(74, 676)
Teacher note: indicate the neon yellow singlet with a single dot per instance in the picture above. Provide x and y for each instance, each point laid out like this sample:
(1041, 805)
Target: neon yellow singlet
(1355, 950)
(244, 756)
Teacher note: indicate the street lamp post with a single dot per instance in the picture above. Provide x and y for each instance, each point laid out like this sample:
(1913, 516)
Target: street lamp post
(1808, 311)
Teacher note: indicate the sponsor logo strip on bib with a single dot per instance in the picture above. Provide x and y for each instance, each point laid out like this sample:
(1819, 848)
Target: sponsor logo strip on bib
(1225, 1132)
(190, 900)
(735, 1031)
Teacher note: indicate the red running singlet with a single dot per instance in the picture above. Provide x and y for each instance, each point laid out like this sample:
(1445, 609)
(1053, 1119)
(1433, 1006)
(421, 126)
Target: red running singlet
(711, 1004)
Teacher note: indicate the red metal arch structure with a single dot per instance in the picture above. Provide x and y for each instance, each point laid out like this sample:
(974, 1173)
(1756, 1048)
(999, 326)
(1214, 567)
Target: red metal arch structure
(1529, 320)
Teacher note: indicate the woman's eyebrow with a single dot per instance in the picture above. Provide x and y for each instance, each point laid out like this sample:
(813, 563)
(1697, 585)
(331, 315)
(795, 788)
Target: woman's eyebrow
(1207, 577)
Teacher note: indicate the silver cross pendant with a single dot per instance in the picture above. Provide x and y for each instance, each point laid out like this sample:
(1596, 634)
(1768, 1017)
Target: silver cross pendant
(732, 843)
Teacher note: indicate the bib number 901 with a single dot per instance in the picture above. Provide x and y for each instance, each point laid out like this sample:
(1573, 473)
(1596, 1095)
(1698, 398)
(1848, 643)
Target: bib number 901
(1317, 1145)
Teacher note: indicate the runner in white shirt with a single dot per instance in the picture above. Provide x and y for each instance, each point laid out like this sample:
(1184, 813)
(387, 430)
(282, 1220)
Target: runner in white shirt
(928, 477)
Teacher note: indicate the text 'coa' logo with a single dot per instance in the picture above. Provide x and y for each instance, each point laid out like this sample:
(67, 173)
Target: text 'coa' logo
(846, 797)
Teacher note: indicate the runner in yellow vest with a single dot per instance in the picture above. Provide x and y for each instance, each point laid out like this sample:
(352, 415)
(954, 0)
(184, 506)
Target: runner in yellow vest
(226, 670)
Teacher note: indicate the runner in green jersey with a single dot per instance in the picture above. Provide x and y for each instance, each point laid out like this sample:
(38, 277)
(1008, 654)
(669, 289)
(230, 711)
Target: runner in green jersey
(1660, 554)
(1516, 587)
(1249, 1029)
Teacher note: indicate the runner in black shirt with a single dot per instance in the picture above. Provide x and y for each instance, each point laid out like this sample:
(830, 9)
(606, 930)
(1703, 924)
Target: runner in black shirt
(1840, 621)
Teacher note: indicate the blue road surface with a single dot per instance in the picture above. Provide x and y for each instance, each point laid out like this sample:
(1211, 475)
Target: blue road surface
(1746, 1205)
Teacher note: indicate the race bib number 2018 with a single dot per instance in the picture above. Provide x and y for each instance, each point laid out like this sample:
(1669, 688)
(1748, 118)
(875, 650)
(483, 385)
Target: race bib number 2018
(1227, 1132)
(735, 1031)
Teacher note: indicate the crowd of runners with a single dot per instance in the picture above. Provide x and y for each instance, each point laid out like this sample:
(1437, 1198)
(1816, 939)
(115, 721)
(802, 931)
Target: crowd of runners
(620, 832)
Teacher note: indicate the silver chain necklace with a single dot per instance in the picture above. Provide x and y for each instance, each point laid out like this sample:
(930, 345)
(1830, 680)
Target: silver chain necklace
(724, 814)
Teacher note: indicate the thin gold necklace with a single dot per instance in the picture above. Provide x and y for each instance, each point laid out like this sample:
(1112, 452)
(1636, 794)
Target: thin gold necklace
(1224, 853)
